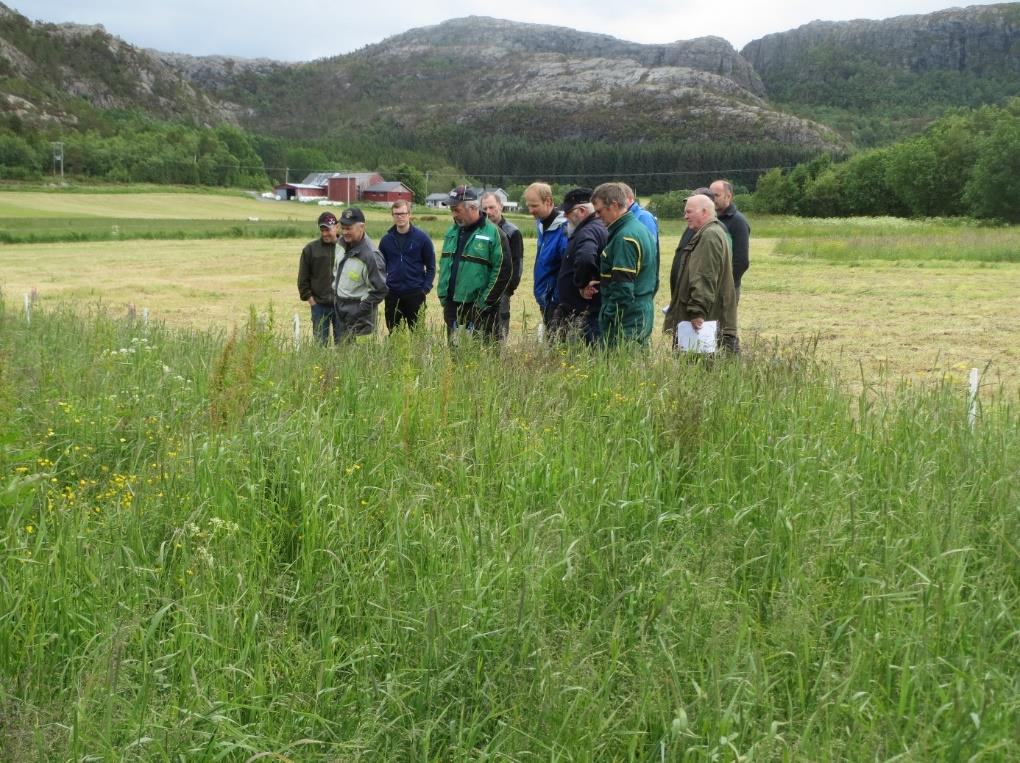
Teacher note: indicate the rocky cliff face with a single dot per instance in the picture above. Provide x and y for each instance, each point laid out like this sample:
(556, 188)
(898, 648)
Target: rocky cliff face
(86, 62)
(488, 40)
(541, 81)
(979, 41)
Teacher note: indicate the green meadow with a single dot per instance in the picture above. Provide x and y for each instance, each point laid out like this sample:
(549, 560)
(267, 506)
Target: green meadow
(217, 548)
(215, 545)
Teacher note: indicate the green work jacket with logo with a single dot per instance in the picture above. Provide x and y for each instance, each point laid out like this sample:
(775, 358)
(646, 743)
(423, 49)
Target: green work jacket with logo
(481, 267)
(629, 277)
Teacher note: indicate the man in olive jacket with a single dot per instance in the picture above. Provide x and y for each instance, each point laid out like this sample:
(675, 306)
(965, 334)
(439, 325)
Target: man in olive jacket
(702, 287)
(474, 269)
(628, 270)
(315, 278)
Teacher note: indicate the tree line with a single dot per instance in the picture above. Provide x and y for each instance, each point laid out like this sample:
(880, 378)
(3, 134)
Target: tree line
(965, 164)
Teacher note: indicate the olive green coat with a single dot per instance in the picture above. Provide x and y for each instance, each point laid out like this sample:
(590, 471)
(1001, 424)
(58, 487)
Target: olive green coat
(703, 287)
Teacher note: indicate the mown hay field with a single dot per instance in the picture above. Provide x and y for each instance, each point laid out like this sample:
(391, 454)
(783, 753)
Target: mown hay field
(884, 300)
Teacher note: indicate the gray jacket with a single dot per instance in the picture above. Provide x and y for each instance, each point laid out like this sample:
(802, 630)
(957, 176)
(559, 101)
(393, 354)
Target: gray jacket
(359, 282)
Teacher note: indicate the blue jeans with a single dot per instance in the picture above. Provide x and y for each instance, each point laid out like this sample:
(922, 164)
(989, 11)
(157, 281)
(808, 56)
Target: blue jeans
(324, 316)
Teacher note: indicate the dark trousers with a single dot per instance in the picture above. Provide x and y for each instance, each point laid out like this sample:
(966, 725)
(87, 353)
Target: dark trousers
(324, 316)
(466, 317)
(569, 325)
(403, 308)
(504, 317)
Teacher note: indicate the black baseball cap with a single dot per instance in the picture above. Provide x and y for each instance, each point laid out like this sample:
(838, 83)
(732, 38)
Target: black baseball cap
(461, 193)
(575, 197)
(352, 215)
(326, 219)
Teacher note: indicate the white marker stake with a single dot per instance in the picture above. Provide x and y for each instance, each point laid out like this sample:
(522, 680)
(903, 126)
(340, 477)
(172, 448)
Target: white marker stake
(297, 331)
(28, 308)
(972, 417)
(145, 316)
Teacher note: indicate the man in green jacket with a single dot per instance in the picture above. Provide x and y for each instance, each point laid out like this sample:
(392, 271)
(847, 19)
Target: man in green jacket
(701, 286)
(628, 272)
(474, 270)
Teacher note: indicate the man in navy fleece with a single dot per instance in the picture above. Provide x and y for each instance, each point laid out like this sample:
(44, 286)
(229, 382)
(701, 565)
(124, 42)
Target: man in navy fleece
(410, 268)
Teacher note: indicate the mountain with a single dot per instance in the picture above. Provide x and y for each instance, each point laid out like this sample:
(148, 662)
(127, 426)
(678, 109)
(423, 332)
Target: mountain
(522, 79)
(494, 96)
(907, 70)
(49, 71)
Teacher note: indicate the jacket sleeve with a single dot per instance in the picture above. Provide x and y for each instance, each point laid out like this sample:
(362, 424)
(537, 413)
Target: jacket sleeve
(499, 272)
(586, 258)
(376, 277)
(304, 275)
(741, 234)
(516, 261)
(428, 258)
(705, 267)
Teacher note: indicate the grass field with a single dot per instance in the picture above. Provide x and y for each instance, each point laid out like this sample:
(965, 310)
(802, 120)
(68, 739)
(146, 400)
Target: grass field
(223, 550)
(215, 547)
(904, 304)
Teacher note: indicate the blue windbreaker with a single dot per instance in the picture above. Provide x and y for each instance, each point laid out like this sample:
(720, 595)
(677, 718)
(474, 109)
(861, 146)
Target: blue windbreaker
(552, 244)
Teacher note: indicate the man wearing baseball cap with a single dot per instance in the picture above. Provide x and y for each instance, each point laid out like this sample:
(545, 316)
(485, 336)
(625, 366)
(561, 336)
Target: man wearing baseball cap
(474, 269)
(315, 278)
(359, 279)
(577, 314)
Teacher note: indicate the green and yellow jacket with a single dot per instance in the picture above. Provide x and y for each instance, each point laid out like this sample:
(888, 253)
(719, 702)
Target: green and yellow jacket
(628, 273)
(483, 271)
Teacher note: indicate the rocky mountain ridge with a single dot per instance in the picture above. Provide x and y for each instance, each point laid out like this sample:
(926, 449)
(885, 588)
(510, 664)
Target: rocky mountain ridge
(973, 44)
(535, 81)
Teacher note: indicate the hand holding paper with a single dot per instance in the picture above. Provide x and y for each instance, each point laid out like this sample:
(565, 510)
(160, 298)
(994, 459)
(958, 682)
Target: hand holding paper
(690, 339)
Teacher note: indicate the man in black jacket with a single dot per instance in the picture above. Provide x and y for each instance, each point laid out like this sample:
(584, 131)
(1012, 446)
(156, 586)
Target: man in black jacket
(315, 278)
(738, 227)
(577, 314)
(492, 206)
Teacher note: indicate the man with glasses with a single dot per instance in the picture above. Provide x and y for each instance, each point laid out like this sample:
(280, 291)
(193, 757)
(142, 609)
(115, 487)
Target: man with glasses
(628, 272)
(410, 268)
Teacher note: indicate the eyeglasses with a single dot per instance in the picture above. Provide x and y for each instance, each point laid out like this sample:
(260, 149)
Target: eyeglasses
(400, 214)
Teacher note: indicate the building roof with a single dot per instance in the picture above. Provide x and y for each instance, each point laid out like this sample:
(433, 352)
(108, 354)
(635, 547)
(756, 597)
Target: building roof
(322, 178)
(386, 187)
(306, 186)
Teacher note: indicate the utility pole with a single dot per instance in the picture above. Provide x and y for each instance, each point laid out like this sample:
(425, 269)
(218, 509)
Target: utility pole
(58, 157)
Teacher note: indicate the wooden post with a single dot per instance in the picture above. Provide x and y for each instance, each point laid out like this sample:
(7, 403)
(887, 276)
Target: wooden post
(972, 414)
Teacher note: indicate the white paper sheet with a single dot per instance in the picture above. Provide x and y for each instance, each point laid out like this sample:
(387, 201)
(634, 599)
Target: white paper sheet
(691, 340)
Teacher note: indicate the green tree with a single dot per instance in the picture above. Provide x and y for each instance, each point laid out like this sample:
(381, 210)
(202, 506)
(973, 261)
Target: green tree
(993, 189)
(409, 176)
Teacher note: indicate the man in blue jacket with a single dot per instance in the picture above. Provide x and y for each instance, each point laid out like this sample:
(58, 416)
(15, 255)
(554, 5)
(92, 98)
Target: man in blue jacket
(410, 268)
(552, 243)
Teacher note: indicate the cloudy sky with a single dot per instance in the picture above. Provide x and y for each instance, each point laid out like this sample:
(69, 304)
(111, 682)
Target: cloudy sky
(302, 30)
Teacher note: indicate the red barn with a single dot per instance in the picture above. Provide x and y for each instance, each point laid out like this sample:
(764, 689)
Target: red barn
(288, 191)
(387, 193)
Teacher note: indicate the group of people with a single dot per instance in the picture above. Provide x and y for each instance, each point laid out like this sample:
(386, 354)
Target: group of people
(596, 269)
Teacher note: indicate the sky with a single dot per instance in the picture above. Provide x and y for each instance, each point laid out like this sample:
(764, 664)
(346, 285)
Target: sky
(303, 30)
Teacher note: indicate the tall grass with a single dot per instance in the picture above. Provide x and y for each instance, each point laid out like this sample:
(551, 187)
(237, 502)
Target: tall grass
(219, 548)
